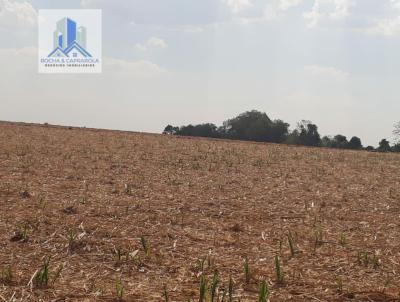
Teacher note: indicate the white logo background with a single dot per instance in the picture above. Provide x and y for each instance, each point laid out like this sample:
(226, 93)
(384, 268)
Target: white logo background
(89, 18)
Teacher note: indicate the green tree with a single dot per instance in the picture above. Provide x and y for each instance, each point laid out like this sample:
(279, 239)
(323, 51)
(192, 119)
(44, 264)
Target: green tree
(355, 143)
(185, 130)
(279, 131)
(293, 138)
(327, 141)
(251, 125)
(205, 130)
(307, 134)
(396, 148)
(170, 130)
(340, 141)
(202, 130)
(384, 146)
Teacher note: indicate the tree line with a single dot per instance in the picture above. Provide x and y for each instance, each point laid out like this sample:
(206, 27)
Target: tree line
(257, 126)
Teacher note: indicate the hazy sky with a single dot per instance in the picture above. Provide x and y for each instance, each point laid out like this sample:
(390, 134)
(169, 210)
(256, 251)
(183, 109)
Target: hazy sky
(335, 62)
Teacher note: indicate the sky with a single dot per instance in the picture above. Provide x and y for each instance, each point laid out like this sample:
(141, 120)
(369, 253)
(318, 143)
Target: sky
(334, 62)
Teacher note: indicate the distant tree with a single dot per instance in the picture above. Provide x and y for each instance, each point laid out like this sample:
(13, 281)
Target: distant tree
(340, 141)
(384, 146)
(257, 126)
(396, 148)
(185, 130)
(279, 131)
(327, 141)
(396, 131)
(251, 125)
(222, 132)
(170, 130)
(370, 148)
(306, 134)
(205, 130)
(293, 138)
(355, 143)
(202, 130)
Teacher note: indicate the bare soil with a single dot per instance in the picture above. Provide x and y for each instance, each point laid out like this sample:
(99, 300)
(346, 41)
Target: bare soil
(86, 197)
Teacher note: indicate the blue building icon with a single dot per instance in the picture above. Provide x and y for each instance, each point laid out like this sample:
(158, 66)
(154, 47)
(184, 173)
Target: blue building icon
(69, 40)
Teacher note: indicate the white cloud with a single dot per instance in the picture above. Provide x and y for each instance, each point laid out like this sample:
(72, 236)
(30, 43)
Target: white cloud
(197, 16)
(23, 61)
(387, 26)
(157, 43)
(140, 47)
(271, 10)
(328, 9)
(124, 96)
(15, 14)
(17, 63)
(286, 4)
(165, 13)
(395, 3)
(192, 29)
(7, 54)
(27, 51)
(237, 6)
(152, 43)
(326, 71)
(141, 69)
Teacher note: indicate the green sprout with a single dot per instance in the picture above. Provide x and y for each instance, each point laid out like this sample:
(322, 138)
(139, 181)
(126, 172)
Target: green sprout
(21, 235)
(119, 287)
(201, 263)
(291, 244)
(214, 286)
(339, 283)
(203, 289)
(145, 245)
(42, 277)
(72, 236)
(247, 273)
(343, 239)
(375, 261)
(363, 258)
(278, 270)
(57, 273)
(264, 292)
(318, 238)
(6, 275)
(230, 289)
(165, 294)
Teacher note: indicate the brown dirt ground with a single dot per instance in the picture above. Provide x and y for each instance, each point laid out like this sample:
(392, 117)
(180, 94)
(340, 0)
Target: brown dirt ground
(192, 198)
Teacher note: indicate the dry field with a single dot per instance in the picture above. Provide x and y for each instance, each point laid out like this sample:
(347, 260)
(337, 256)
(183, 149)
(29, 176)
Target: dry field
(145, 213)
